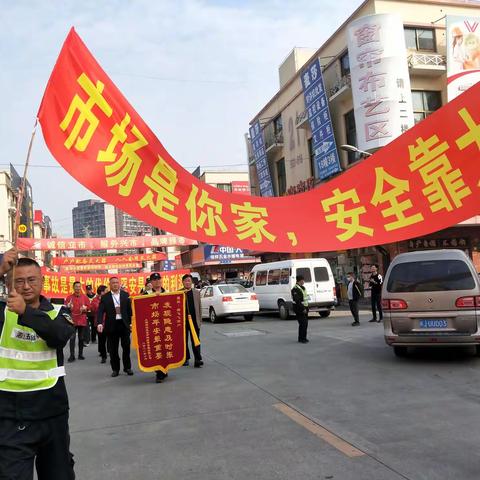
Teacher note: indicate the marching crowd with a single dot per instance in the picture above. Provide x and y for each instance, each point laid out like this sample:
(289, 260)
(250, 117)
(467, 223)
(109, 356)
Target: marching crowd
(107, 315)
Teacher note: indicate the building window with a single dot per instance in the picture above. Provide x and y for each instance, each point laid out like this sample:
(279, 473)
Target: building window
(226, 187)
(344, 64)
(281, 177)
(425, 103)
(311, 157)
(420, 39)
(277, 125)
(351, 136)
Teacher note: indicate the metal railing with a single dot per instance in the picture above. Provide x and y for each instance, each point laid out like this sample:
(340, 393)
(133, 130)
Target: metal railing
(272, 138)
(426, 59)
(341, 82)
(301, 117)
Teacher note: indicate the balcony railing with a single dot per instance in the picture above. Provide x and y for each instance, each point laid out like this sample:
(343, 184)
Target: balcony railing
(273, 139)
(426, 60)
(340, 83)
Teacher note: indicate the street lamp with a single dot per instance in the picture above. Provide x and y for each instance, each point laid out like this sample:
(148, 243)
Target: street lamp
(351, 148)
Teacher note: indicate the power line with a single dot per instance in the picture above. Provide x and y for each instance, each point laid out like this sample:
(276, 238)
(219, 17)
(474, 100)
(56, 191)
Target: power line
(193, 167)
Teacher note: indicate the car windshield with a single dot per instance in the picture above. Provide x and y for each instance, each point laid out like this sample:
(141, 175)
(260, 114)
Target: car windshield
(232, 289)
(430, 276)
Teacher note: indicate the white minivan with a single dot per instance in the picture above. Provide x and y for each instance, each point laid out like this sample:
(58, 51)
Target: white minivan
(273, 283)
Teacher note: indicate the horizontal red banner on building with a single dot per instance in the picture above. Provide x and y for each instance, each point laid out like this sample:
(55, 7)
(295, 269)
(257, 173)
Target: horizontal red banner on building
(100, 266)
(110, 259)
(118, 243)
(423, 181)
(159, 330)
(58, 285)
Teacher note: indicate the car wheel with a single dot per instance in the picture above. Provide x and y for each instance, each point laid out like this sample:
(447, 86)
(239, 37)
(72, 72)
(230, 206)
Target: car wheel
(212, 315)
(325, 314)
(248, 317)
(400, 351)
(283, 312)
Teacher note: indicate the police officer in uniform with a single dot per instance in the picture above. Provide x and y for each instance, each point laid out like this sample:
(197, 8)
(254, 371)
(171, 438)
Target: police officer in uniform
(300, 307)
(33, 397)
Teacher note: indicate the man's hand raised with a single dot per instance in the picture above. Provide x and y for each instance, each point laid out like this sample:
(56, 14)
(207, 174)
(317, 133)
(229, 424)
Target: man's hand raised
(16, 303)
(9, 259)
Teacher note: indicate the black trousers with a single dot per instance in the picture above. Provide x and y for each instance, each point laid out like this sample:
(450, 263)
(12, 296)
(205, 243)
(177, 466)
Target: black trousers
(79, 332)
(45, 442)
(120, 334)
(354, 309)
(302, 319)
(197, 355)
(377, 305)
(90, 330)
(102, 344)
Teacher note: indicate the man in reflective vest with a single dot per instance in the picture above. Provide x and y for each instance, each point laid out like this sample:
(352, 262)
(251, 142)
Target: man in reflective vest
(300, 307)
(33, 398)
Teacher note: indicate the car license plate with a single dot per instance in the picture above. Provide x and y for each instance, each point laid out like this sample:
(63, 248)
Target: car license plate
(433, 323)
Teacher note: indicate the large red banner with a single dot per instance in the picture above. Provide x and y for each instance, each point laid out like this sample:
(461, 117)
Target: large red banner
(110, 259)
(114, 243)
(159, 330)
(423, 181)
(58, 285)
(99, 266)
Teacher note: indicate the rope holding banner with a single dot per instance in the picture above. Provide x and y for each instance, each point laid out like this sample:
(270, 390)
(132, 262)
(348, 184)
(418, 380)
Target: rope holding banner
(196, 340)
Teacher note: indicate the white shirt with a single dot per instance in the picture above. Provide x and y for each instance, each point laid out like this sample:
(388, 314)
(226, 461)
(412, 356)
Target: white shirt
(116, 302)
(350, 290)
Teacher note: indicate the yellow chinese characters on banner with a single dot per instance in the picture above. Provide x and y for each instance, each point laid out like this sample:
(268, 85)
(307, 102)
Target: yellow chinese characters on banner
(57, 285)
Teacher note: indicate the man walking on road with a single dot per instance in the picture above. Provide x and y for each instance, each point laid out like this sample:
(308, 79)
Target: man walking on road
(33, 397)
(78, 303)
(90, 331)
(114, 317)
(376, 282)
(300, 307)
(354, 293)
(102, 339)
(194, 310)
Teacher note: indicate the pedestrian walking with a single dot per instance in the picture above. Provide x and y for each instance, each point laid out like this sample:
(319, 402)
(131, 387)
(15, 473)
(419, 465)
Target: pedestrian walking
(90, 331)
(300, 307)
(102, 339)
(33, 398)
(376, 282)
(354, 293)
(114, 318)
(193, 308)
(78, 303)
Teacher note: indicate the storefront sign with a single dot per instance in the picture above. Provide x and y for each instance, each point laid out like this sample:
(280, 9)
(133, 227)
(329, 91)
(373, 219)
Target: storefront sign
(242, 188)
(380, 80)
(261, 162)
(323, 139)
(225, 254)
(303, 186)
(463, 54)
(159, 330)
(461, 243)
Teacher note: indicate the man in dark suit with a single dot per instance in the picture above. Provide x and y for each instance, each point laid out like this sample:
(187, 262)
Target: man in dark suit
(115, 317)
(193, 308)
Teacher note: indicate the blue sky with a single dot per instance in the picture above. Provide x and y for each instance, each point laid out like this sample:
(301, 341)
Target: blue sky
(197, 71)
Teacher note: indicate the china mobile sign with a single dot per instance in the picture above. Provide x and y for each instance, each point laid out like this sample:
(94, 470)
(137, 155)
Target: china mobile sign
(380, 81)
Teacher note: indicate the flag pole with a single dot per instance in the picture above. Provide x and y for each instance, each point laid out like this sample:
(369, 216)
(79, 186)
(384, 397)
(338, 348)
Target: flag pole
(20, 198)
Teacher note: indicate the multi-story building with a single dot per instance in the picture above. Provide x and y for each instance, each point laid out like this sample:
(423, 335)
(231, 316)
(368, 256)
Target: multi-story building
(287, 133)
(42, 228)
(216, 262)
(7, 210)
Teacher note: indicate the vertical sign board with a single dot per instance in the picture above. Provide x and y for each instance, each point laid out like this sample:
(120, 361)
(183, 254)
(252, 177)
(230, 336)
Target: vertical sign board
(380, 82)
(323, 139)
(463, 54)
(261, 162)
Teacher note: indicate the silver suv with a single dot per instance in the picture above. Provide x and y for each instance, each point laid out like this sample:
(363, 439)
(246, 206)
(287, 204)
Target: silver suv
(431, 298)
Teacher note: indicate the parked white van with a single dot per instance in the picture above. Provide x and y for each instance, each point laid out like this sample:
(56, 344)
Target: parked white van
(273, 283)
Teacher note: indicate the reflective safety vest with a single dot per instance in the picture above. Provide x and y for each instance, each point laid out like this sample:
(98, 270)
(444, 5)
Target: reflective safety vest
(304, 293)
(27, 363)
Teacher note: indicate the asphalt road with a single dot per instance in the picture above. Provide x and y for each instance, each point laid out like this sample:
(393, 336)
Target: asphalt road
(266, 407)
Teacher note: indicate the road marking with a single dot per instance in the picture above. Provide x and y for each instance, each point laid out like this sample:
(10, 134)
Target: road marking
(346, 448)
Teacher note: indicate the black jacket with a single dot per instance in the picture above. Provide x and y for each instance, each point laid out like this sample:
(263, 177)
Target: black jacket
(356, 290)
(44, 403)
(107, 307)
(376, 282)
(297, 297)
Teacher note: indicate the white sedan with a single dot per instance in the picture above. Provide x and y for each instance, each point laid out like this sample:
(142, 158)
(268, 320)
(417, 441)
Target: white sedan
(224, 300)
